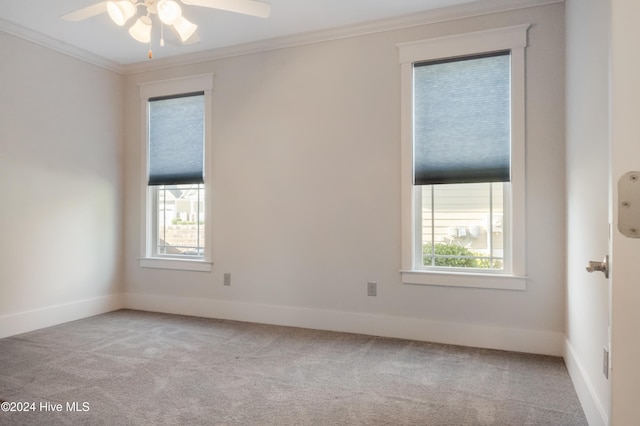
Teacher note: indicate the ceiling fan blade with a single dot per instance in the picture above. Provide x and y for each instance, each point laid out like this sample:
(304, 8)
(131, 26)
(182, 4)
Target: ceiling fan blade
(86, 12)
(257, 8)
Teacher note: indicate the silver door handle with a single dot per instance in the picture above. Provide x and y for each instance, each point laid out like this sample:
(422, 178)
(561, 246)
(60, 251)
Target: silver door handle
(600, 266)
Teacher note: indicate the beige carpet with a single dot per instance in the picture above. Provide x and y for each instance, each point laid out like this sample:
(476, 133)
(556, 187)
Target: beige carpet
(139, 368)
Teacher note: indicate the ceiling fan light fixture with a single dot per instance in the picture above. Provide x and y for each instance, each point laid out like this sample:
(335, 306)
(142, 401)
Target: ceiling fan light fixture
(141, 30)
(183, 28)
(169, 11)
(121, 11)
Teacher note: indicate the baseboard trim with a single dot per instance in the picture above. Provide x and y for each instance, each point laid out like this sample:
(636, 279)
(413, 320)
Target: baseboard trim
(510, 339)
(23, 322)
(591, 405)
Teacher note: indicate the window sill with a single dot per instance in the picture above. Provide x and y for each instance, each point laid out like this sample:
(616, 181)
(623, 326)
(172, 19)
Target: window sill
(196, 265)
(468, 280)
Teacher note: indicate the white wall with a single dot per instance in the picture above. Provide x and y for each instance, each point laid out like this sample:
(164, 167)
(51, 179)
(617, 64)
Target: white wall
(60, 146)
(588, 201)
(307, 195)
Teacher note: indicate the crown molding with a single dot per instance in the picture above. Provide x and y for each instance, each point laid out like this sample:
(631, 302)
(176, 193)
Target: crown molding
(466, 10)
(59, 46)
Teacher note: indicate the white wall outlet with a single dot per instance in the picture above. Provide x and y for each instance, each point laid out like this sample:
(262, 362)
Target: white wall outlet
(227, 278)
(372, 288)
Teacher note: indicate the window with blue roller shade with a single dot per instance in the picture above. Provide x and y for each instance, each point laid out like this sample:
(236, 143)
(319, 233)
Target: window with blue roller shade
(176, 139)
(462, 119)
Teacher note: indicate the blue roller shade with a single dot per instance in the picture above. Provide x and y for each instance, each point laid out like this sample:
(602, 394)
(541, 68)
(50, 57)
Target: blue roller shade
(176, 139)
(462, 130)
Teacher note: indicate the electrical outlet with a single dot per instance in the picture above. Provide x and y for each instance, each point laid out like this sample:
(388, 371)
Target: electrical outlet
(372, 288)
(227, 278)
(605, 362)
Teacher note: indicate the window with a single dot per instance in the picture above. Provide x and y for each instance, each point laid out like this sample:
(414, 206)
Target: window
(176, 185)
(176, 178)
(463, 159)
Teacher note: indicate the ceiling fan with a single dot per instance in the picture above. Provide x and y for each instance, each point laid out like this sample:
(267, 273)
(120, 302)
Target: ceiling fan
(168, 11)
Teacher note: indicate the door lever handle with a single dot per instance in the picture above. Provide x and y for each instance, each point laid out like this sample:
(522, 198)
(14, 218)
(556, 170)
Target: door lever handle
(600, 266)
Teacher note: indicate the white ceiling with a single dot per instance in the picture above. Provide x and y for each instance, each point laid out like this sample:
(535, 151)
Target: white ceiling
(40, 20)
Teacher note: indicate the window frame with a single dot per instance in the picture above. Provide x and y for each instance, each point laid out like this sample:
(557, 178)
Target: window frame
(148, 255)
(514, 39)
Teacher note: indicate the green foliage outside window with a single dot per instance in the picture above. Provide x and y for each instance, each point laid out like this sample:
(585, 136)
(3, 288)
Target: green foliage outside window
(464, 258)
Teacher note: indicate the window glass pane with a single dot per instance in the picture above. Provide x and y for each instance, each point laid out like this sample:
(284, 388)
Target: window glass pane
(497, 226)
(180, 220)
(462, 225)
(426, 224)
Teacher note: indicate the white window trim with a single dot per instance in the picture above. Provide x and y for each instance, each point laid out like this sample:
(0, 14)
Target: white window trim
(203, 82)
(509, 38)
